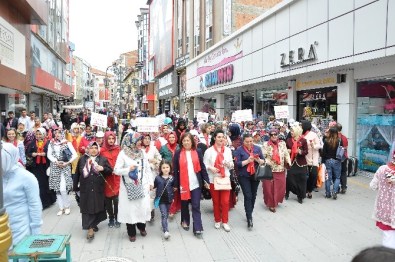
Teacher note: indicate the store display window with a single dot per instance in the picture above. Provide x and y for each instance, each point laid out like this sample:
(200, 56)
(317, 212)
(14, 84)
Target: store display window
(232, 104)
(375, 123)
(318, 106)
(267, 99)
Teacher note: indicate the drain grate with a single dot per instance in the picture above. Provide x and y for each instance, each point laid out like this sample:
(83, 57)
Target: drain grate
(112, 259)
(41, 243)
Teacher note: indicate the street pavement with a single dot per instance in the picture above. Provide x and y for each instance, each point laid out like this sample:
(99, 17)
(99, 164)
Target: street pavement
(318, 230)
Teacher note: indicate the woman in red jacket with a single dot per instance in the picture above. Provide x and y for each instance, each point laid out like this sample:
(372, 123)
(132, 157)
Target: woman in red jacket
(111, 190)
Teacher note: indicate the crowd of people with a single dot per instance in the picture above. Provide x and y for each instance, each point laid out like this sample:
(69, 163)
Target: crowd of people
(126, 180)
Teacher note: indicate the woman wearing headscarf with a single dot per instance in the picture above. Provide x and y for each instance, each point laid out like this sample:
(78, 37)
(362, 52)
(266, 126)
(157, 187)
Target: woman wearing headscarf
(248, 157)
(190, 176)
(277, 157)
(181, 128)
(133, 167)
(235, 141)
(92, 169)
(21, 196)
(154, 158)
(167, 152)
(75, 138)
(297, 174)
(111, 189)
(38, 163)
(384, 209)
(60, 170)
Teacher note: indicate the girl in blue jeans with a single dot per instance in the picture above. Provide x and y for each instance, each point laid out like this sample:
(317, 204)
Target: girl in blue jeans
(164, 191)
(333, 165)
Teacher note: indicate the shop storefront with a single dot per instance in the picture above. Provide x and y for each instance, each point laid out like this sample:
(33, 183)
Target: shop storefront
(375, 122)
(168, 93)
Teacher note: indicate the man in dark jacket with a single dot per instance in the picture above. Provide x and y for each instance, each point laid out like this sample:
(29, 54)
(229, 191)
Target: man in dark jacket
(11, 121)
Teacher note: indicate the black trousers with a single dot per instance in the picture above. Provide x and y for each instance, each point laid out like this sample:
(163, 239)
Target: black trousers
(249, 187)
(111, 204)
(312, 179)
(343, 175)
(131, 228)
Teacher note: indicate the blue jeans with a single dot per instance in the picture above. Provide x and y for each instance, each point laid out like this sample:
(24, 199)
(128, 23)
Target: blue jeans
(164, 210)
(333, 167)
(249, 187)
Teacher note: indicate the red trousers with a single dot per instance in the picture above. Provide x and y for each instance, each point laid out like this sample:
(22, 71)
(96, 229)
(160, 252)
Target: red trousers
(176, 205)
(220, 204)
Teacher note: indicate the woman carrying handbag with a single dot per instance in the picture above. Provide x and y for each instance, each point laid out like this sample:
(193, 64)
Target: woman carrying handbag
(277, 157)
(218, 161)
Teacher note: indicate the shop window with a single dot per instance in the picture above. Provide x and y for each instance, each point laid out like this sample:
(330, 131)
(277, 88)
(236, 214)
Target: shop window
(318, 106)
(267, 99)
(232, 104)
(375, 123)
(247, 102)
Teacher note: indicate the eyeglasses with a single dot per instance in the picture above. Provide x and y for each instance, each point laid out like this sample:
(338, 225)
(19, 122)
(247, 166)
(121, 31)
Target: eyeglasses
(273, 134)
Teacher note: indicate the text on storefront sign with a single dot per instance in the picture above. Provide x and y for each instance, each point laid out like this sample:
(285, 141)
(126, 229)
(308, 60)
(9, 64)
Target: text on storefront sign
(219, 76)
(291, 59)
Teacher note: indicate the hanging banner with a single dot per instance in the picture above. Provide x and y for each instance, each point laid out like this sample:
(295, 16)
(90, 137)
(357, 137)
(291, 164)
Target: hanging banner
(281, 112)
(99, 120)
(202, 117)
(147, 124)
(242, 115)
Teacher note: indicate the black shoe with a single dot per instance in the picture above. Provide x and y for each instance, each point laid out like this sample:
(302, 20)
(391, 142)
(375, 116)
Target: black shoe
(334, 196)
(198, 234)
(250, 224)
(316, 189)
(185, 226)
(117, 224)
(343, 191)
(152, 216)
(309, 196)
(111, 223)
(328, 196)
(95, 228)
(287, 196)
(300, 200)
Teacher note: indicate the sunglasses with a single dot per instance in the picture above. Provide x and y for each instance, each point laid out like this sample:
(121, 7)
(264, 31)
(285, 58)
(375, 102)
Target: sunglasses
(273, 134)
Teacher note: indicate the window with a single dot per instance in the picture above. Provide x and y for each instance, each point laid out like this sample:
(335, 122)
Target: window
(187, 22)
(196, 27)
(179, 27)
(209, 23)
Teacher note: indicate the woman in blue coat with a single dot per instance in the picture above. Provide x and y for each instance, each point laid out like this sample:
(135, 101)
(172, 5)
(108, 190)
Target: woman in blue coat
(248, 156)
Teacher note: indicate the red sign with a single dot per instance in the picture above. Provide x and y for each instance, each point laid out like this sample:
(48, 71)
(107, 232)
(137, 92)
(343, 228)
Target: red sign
(49, 82)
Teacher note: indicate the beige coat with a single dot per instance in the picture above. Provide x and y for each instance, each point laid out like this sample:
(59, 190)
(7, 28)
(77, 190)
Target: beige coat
(284, 156)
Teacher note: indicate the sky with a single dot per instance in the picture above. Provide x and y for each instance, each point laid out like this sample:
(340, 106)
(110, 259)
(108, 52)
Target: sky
(102, 30)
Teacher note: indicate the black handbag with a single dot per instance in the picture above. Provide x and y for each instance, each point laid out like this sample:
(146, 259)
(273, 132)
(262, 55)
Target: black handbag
(263, 172)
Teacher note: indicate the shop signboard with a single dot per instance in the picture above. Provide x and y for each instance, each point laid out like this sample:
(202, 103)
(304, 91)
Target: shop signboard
(99, 120)
(242, 116)
(202, 117)
(297, 57)
(281, 112)
(147, 124)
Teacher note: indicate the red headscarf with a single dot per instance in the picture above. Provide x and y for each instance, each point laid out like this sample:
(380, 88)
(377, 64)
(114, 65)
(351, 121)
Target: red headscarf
(184, 176)
(172, 147)
(106, 146)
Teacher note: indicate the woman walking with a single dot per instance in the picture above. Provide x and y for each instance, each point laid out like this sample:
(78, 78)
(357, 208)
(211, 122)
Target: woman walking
(38, 163)
(384, 210)
(277, 157)
(11, 137)
(111, 189)
(297, 174)
(133, 168)
(60, 170)
(333, 165)
(190, 175)
(90, 179)
(218, 160)
(248, 157)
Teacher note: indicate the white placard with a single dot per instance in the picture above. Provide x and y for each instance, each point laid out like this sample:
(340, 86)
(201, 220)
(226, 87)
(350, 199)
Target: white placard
(147, 124)
(99, 120)
(89, 105)
(161, 119)
(242, 115)
(281, 112)
(202, 117)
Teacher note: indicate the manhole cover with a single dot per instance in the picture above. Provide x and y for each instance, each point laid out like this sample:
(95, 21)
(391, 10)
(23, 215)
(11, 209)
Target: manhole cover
(112, 259)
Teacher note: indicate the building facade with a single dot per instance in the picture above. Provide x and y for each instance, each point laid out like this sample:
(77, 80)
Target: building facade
(325, 61)
(15, 51)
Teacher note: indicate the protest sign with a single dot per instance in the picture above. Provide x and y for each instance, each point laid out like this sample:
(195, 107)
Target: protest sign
(99, 120)
(202, 117)
(281, 112)
(242, 115)
(147, 124)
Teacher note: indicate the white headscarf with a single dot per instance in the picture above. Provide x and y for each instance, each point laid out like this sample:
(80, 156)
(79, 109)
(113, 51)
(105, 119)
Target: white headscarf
(9, 158)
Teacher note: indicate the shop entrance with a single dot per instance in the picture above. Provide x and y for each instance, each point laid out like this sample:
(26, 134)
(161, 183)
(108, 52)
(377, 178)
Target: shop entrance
(318, 106)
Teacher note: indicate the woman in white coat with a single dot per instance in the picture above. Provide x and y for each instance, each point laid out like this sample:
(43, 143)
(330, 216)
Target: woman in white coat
(133, 167)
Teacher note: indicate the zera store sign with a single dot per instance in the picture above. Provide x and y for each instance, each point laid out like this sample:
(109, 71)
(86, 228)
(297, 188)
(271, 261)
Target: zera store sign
(219, 76)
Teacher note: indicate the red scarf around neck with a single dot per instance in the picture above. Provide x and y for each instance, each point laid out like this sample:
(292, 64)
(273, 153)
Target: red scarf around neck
(184, 176)
(276, 154)
(250, 166)
(206, 138)
(172, 148)
(295, 146)
(40, 149)
(146, 149)
(219, 160)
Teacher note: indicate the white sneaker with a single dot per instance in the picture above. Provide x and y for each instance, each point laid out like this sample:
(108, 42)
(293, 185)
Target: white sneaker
(60, 212)
(166, 235)
(226, 227)
(217, 225)
(67, 211)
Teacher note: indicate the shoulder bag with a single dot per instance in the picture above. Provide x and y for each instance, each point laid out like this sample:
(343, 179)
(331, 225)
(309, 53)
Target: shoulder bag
(157, 199)
(340, 152)
(135, 190)
(66, 154)
(222, 183)
(263, 172)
